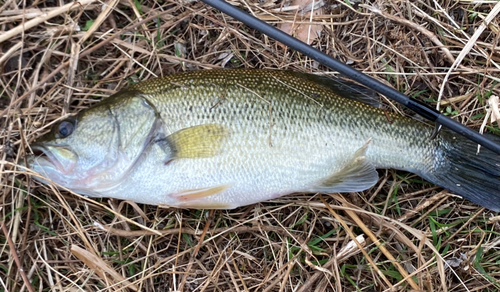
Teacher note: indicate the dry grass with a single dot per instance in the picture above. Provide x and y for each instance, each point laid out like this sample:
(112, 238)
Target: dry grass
(410, 234)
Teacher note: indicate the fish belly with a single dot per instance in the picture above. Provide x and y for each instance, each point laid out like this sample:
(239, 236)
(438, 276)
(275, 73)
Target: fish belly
(246, 170)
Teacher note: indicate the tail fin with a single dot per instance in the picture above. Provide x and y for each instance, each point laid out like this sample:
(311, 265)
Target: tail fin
(458, 168)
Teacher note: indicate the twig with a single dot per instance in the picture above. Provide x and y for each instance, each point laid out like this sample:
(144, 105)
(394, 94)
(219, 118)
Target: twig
(42, 18)
(468, 47)
(463, 226)
(16, 258)
(5, 5)
(99, 20)
(83, 54)
(339, 258)
(431, 200)
(73, 66)
(196, 250)
(6, 56)
(452, 36)
(415, 232)
(414, 26)
(377, 242)
(240, 229)
(353, 237)
(101, 268)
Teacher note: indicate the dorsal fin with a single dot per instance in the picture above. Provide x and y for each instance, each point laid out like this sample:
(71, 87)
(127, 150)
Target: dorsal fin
(343, 88)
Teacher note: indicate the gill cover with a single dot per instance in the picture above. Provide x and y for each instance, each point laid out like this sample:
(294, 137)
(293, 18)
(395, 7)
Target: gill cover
(103, 142)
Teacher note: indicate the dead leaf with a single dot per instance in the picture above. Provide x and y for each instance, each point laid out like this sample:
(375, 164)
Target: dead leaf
(492, 112)
(304, 32)
(351, 247)
(495, 112)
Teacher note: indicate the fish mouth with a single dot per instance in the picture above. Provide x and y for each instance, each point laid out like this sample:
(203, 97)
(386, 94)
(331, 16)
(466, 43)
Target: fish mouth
(49, 159)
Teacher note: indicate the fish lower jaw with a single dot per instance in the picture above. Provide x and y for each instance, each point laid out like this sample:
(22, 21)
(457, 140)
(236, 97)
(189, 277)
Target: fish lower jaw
(51, 159)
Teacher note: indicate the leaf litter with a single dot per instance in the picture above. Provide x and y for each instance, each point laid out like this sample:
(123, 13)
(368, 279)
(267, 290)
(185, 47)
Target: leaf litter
(58, 58)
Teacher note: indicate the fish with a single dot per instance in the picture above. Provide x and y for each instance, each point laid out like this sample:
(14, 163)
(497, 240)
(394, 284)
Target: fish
(221, 139)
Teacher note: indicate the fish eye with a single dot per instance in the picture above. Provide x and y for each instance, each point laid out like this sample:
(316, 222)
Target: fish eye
(65, 128)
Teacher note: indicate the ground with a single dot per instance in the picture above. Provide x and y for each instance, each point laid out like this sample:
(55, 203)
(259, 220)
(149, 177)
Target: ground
(59, 58)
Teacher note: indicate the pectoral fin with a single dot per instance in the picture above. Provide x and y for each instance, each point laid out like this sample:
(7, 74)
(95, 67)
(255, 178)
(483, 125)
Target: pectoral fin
(195, 142)
(356, 175)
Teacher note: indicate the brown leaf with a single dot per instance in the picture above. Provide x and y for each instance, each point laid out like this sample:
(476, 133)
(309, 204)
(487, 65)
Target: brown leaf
(493, 102)
(304, 32)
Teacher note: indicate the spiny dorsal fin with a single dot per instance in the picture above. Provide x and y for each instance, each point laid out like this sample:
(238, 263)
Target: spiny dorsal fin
(344, 88)
(356, 175)
(197, 142)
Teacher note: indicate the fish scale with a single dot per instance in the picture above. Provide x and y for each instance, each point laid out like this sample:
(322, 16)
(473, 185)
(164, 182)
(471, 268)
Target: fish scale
(288, 142)
(294, 105)
(227, 138)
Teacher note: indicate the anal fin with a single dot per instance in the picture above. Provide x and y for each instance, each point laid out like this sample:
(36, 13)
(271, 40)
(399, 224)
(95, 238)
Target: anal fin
(357, 174)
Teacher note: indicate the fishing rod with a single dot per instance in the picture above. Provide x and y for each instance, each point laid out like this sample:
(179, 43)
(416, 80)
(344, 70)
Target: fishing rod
(288, 40)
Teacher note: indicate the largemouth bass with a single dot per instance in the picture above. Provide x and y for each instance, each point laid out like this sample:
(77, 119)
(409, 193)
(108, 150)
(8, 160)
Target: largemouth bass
(228, 138)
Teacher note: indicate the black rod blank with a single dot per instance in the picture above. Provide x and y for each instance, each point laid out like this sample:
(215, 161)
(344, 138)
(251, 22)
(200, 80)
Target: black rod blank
(421, 109)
